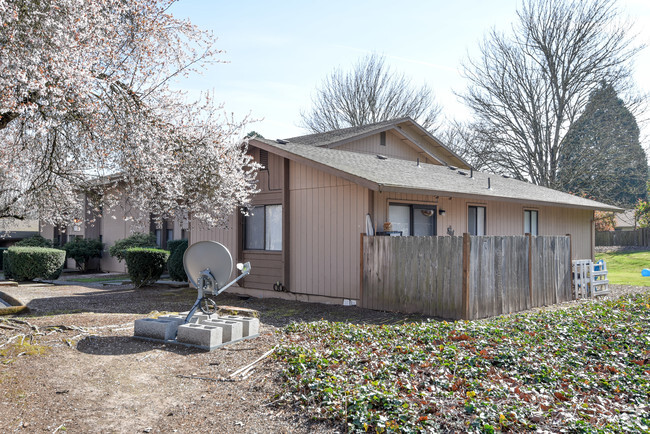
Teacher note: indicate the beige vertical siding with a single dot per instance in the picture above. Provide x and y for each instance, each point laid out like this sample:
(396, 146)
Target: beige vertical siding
(395, 147)
(327, 216)
(226, 236)
(502, 218)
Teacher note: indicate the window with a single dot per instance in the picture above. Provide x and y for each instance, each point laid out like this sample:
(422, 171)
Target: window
(170, 235)
(530, 222)
(417, 220)
(158, 233)
(476, 220)
(263, 228)
(382, 138)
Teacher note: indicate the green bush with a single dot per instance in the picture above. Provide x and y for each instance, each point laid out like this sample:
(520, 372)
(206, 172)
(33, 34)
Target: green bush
(28, 263)
(82, 250)
(6, 266)
(118, 250)
(172, 245)
(35, 241)
(145, 266)
(175, 261)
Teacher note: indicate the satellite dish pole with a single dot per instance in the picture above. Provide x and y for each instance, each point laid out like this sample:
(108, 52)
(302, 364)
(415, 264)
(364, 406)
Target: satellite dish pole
(208, 266)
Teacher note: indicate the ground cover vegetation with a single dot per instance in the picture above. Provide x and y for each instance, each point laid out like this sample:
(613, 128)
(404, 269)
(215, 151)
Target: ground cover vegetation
(624, 268)
(582, 369)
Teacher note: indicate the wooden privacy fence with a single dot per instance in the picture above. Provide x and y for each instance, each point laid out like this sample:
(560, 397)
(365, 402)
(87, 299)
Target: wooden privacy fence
(464, 277)
(637, 237)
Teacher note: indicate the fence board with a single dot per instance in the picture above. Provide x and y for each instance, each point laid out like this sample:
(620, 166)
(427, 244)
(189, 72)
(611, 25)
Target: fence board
(638, 237)
(424, 274)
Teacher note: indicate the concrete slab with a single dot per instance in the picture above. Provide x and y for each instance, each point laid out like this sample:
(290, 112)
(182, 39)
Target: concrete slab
(200, 335)
(232, 330)
(250, 326)
(154, 328)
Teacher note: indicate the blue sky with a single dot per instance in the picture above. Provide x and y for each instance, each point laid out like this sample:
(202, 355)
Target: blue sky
(279, 52)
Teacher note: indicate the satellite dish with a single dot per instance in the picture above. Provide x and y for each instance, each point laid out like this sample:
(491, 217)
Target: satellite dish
(208, 255)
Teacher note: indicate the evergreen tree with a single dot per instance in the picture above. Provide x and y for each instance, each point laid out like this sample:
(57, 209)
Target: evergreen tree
(602, 158)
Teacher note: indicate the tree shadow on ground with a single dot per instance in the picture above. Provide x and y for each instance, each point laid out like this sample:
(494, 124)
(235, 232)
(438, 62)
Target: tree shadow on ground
(272, 311)
(122, 345)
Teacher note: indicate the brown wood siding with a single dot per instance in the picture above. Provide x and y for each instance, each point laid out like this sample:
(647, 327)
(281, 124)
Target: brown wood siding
(396, 147)
(327, 216)
(502, 218)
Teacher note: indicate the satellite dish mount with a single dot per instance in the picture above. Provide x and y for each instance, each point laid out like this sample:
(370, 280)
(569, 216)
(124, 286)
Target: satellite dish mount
(208, 266)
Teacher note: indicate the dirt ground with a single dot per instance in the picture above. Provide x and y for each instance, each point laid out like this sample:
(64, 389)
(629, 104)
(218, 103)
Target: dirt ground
(72, 365)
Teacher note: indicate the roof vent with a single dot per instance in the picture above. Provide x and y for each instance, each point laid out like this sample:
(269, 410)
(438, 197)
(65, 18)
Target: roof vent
(382, 157)
(282, 142)
(460, 172)
(505, 176)
(452, 167)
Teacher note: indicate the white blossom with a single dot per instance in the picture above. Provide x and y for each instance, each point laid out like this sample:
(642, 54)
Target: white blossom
(86, 106)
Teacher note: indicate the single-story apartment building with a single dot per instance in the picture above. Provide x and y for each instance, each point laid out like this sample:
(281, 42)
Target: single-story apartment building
(319, 192)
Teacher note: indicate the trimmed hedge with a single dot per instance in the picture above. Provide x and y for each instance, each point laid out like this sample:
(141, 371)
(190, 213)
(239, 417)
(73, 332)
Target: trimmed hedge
(29, 263)
(34, 241)
(82, 250)
(145, 266)
(172, 245)
(118, 250)
(175, 261)
(6, 266)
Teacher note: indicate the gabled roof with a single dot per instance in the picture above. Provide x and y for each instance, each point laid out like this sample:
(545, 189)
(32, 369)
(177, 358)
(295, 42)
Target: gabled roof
(405, 127)
(407, 177)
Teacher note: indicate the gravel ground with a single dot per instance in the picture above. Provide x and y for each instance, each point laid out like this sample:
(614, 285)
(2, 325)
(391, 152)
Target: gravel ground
(73, 364)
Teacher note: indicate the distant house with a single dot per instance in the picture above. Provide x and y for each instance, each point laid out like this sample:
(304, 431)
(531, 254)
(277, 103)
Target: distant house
(319, 192)
(16, 230)
(114, 224)
(625, 221)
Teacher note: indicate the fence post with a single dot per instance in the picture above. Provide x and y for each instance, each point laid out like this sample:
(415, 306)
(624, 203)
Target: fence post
(530, 270)
(467, 244)
(361, 269)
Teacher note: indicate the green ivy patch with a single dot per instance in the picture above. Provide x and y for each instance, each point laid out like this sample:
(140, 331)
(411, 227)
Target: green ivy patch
(583, 369)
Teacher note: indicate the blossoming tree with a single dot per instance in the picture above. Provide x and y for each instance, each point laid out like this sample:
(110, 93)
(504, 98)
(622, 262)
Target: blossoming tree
(87, 113)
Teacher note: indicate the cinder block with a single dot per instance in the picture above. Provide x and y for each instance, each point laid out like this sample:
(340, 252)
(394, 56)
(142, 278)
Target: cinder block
(155, 328)
(178, 319)
(232, 330)
(198, 316)
(250, 326)
(199, 334)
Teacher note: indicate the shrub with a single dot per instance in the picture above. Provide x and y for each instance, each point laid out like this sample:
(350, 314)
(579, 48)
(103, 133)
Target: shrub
(82, 250)
(172, 245)
(35, 241)
(6, 265)
(118, 250)
(145, 266)
(28, 263)
(175, 262)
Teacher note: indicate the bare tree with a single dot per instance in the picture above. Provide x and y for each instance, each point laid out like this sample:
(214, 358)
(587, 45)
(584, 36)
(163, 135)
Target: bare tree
(527, 89)
(371, 92)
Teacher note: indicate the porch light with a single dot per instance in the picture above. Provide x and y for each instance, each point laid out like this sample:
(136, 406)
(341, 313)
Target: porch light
(442, 212)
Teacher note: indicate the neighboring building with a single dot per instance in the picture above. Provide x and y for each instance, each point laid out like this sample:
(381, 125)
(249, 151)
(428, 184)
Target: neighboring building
(625, 221)
(319, 191)
(16, 230)
(114, 225)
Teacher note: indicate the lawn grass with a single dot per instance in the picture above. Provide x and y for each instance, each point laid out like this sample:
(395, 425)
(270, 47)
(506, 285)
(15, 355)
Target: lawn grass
(580, 369)
(113, 278)
(624, 268)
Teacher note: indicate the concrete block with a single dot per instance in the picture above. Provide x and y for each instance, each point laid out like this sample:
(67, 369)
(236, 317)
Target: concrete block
(198, 316)
(178, 319)
(155, 328)
(201, 335)
(232, 330)
(250, 326)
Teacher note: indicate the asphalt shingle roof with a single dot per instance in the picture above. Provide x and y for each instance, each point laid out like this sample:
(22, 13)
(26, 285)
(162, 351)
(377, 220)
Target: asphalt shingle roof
(324, 139)
(402, 175)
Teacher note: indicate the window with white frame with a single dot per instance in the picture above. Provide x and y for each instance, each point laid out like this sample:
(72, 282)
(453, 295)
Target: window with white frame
(263, 228)
(413, 219)
(530, 222)
(476, 220)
